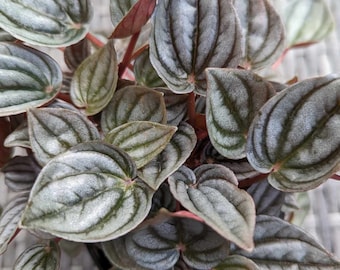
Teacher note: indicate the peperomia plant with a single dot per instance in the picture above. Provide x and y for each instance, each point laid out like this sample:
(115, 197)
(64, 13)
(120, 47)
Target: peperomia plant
(177, 155)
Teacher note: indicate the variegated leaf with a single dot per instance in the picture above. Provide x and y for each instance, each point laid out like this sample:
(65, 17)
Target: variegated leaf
(211, 193)
(130, 15)
(142, 140)
(90, 193)
(28, 78)
(95, 80)
(234, 97)
(10, 218)
(298, 154)
(171, 158)
(21, 172)
(39, 256)
(189, 36)
(237, 262)
(133, 103)
(19, 137)
(76, 53)
(281, 245)
(52, 131)
(46, 22)
(263, 31)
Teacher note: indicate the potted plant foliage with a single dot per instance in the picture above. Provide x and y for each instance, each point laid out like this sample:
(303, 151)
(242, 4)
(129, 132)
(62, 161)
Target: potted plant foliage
(178, 155)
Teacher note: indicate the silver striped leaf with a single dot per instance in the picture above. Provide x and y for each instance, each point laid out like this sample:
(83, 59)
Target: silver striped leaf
(94, 81)
(28, 78)
(54, 130)
(211, 192)
(19, 137)
(142, 140)
(190, 35)
(263, 32)
(39, 256)
(53, 23)
(90, 193)
(234, 98)
(281, 245)
(295, 137)
(133, 103)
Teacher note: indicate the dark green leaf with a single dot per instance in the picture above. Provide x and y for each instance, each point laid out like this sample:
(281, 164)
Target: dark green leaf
(171, 158)
(39, 256)
(90, 193)
(95, 80)
(46, 22)
(133, 103)
(298, 154)
(142, 140)
(53, 130)
(28, 78)
(189, 36)
(280, 245)
(233, 99)
(211, 193)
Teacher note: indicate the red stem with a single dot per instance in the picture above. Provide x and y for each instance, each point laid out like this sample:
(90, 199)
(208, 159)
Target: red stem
(128, 54)
(191, 109)
(95, 41)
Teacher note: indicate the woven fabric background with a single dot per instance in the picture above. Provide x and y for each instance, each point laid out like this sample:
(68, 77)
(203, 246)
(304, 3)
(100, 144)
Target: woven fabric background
(323, 216)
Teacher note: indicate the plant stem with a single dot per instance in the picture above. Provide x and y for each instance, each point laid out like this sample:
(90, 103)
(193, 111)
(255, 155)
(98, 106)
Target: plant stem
(128, 54)
(192, 109)
(95, 41)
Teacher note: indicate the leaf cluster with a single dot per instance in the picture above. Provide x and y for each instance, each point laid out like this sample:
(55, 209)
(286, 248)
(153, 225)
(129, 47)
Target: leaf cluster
(178, 155)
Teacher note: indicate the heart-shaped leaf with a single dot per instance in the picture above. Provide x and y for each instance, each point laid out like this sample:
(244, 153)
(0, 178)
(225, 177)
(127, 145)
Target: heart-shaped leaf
(211, 193)
(133, 103)
(281, 245)
(46, 22)
(158, 246)
(171, 158)
(237, 262)
(28, 78)
(10, 218)
(132, 16)
(19, 137)
(263, 31)
(298, 154)
(142, 140)
(5, 152)
(95, 80)
(233, 99)
(39, 256)
(52, 131)
(145, 73)
(306, 21)
(90, 193)
(189, 36)
(21, 172)
(76, 53)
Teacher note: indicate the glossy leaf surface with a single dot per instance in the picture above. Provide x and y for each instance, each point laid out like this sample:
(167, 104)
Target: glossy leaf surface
(189, 36)
(52, 131)
(21, 172)
(39, 256)
(142, 140)
(132, 16)
(236, 262)
(46, 22)
(281, 245)
(95, 80)
(10, 218)
(211, 193)
(306, 21)
(263, 31)
(88, 194)
(171, 158)
(233, 99)
(158, 246)
(133, 103)
(298, 154)
(28, 78)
